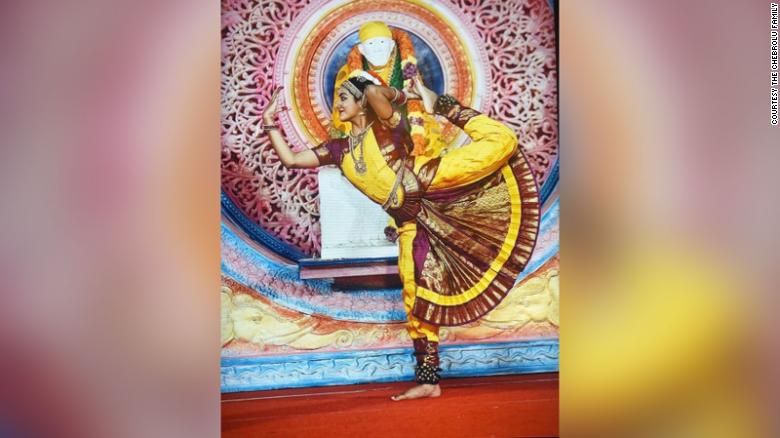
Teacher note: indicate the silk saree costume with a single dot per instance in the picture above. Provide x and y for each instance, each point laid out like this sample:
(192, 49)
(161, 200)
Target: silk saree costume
(467, 221)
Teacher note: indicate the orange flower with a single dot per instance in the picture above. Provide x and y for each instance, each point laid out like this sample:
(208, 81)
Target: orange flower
(419, 144)
(355, 59)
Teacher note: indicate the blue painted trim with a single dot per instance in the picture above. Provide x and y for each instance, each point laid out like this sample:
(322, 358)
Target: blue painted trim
(347, 262)
(538, 258)
(552, 179)
(289, 274)
(306, 307)
(257, 233)
(389, 365)
(550, 183)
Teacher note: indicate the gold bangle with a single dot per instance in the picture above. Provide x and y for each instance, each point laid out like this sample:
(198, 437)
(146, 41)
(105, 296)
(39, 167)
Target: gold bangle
(393, 120)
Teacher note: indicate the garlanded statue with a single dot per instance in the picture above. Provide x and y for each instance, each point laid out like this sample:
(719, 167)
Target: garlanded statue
(388, 55)
(468, 220)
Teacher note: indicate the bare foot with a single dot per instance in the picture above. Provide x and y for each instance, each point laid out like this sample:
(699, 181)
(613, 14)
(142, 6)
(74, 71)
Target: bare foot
(419, 391)
(427, 95)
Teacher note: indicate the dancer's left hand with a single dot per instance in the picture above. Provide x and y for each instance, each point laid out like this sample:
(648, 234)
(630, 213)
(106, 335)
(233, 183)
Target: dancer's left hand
(410, 91)
(427, 95)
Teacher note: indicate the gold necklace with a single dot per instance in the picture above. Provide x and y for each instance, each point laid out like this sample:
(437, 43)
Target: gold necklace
(355, 142)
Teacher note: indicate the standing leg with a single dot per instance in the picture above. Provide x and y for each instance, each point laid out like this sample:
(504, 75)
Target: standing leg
(424, 336)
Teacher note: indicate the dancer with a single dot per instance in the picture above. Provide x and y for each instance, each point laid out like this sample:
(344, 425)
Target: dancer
(467, 221)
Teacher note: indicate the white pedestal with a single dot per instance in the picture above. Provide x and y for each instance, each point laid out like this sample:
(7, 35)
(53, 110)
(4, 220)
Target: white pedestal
(352, 225)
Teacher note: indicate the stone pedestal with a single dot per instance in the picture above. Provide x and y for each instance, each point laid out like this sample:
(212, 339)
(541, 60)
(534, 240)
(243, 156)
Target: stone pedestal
(353, 226)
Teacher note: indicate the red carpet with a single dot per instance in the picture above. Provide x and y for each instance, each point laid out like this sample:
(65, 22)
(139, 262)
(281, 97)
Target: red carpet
(500, 406)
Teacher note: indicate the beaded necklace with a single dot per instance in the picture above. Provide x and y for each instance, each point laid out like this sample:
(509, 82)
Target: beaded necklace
(356, 142)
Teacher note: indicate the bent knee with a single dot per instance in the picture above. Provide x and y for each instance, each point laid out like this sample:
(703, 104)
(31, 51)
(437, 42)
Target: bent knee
(506, 143)
(509, 139)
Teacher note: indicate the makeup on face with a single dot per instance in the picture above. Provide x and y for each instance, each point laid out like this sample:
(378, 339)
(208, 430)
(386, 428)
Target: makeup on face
(346, 105)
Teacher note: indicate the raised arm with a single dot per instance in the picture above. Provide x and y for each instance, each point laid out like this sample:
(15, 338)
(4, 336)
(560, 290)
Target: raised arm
(381, 99)
(301, 160)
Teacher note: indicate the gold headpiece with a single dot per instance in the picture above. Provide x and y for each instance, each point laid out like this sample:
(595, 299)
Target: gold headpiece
(352, 89)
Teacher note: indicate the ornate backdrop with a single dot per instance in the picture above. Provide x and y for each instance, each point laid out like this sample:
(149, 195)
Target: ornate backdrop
(497, 55)
(281, 331)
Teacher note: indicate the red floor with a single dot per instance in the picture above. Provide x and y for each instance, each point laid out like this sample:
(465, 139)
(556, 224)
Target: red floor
(500, 406)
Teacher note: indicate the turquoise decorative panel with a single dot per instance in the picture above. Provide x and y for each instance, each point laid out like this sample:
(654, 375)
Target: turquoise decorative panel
(324, 369)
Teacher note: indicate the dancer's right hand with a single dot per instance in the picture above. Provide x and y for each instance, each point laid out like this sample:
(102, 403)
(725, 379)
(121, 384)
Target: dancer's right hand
(270, 110)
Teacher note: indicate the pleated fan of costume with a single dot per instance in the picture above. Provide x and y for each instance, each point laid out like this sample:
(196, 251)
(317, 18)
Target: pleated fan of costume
(473, 242)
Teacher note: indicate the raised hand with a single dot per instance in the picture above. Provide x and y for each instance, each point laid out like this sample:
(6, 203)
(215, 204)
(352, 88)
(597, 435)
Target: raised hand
(270, 110)
(410, 92)
(303, 159)
(427, 95)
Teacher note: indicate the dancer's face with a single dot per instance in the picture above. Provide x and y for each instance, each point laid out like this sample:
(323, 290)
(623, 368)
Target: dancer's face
(346, 105)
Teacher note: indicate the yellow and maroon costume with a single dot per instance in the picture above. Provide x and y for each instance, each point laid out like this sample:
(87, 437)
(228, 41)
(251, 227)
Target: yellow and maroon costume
(467, 221)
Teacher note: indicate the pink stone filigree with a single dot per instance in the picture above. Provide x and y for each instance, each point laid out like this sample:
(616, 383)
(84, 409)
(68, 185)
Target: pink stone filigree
(282, 201)
(518, 37)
